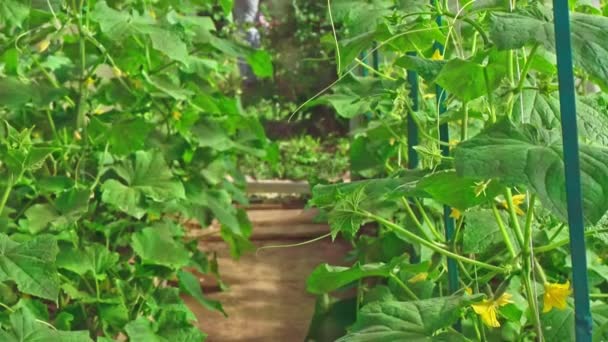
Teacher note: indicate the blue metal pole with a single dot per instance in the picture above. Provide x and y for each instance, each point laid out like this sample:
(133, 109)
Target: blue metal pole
(412, 129)
(567, 103)
(444, 136)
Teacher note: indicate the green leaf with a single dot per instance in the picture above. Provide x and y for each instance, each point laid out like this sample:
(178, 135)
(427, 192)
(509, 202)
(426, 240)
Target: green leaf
(326, 278)
(535, 26)
(517, 157)
(141, 330)
(25, 328)
(117, 25)
(13, 12)
(157, 247)
(147, 176)
(482, 233)
(30, 265)
(542, 110)
(191, 285)
(448, 188)
(427, 69)
(412, 321)
(480, 79)
(558, 325)
(124, 198)
(261, 63)
(96, 259)
(227, 6)
(39, 216)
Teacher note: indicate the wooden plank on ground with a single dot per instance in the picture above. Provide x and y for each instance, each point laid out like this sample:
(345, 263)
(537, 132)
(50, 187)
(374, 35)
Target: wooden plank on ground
(267, 299)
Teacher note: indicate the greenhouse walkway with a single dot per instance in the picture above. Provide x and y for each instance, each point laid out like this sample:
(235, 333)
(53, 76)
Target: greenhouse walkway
(267, 299)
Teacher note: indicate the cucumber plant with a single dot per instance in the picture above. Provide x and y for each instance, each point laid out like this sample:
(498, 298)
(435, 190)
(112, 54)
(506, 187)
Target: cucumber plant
(501, 180)
(121, 125)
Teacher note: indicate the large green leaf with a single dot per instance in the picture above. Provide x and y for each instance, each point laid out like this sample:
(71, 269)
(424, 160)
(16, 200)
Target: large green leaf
(516, 157)
(412, 321)
(326, 278)
(146, 176)
(535, 26)
(558, 325)
(426, 68)
(30, 265)
(404, 184)
(13, 12)
(96, 259)
(117, 25)
(156, 246)
(141, 330)
(448, 188)
(481, 233)
(24, 327)
(191, 285)
(542, 110)
(480, 79)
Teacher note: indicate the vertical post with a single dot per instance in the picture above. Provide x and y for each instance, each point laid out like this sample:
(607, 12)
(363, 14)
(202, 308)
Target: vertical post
(567, 104)
(444, 136)
(412, 129)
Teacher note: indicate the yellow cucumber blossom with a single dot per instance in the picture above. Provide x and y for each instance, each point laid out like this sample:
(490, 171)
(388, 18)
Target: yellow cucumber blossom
(488, 309)
(555, 296)
(437, 56)
(455, 214)
(480, 187)
(418, 278)
(43, 45)
(177, 115)
(518, 200)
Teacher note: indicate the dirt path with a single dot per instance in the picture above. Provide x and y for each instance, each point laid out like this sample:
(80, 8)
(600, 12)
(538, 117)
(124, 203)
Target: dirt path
(267, 300)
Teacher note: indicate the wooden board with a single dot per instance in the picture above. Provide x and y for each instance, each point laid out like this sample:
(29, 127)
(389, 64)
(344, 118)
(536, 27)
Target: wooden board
(267, 299)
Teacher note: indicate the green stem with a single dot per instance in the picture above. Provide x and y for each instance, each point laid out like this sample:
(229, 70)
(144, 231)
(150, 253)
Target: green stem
(465, 122)
(526, 69)
(9, 188)
(374, 71)
(528, 261)
(405, 288)
(427, 220)
(503, 231)
(560, 243)
(412, 215)
(513, 215)
(490, 96)
(411, 236)
(476, 26)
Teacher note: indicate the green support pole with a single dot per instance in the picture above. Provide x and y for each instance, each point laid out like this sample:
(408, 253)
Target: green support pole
(567, 96)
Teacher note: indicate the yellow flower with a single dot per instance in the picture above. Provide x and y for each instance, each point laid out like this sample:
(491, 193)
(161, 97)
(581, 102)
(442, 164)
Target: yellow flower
(428, 96)
(480, 187)
(555, 296)
(152, 14)
(453, 142)
(468, 291)
(176, 115)
(43, 45)
(437, 56)
(77, 135)
(487, 309)
(418, 278)
(391, 141)
(89, 82)
(517, 201)
(117, 72)
(455, 214)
